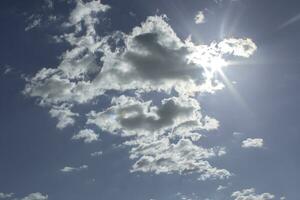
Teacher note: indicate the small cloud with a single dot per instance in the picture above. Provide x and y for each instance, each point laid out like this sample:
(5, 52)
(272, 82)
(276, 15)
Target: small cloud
(6, 195)
(34, 21)
(132, 14)
(49, 4)
(200, 18)
(237, 134)
(35, 196)
(250, 194)
(64, 115)
(253, 143)
(7, 69)
(87, 135)
(221, 187)
(97, 154)
(68, 169)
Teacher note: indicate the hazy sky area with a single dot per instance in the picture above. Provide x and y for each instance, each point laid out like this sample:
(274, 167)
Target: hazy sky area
(149, 99)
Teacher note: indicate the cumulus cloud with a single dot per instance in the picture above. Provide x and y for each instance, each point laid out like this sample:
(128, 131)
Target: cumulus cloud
(155, 130)
(253, 143)
(35, 196)
(87, 135)
(151, 58)
(68, 169)
(6, 195)
(250, 194)
(200, 18)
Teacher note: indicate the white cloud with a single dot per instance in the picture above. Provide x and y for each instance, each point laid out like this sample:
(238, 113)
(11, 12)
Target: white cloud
(253, 143)
(97, 153)
(6, 195)
(221, 187)
(200, 18)
(35, 196)
(84, 10)
(87, 135)
(64, 115)
(250, 194)
(68, 169)
(183, 157)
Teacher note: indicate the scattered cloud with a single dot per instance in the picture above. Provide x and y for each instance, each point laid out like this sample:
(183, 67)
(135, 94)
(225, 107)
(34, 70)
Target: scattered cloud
(200, 18)
(151, 58)
(250, 194)
(87, 135)
(68, 169)
(253, 143)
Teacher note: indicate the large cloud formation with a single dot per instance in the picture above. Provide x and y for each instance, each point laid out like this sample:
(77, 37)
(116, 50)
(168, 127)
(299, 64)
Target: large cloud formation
(151, 58)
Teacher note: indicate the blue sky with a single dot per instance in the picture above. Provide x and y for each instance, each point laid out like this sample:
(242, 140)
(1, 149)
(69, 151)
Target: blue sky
(149, 100)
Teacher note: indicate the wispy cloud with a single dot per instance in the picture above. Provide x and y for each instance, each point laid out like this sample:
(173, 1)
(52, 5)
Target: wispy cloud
(68, 169)
(289, 22)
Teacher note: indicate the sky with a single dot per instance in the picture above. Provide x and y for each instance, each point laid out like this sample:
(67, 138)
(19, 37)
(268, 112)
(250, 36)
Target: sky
(149, 100)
